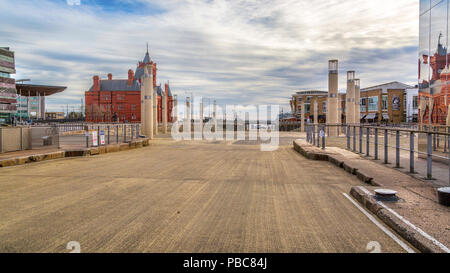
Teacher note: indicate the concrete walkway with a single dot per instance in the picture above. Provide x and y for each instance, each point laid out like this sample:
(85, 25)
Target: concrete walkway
(184, 197)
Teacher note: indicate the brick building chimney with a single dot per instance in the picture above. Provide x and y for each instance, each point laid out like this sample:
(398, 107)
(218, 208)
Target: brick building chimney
(110, 76)
(96, 83)
(130, 77)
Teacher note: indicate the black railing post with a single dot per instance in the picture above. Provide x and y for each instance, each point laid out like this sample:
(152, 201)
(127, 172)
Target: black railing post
(87, 138)
(117, 134)
(98, 136)
(376, 143)
(429, 156)
(368, 143)
(348, 137)
(314, 134)
(354, 139)
(360, 139)
(318, 136)
(397, 149)
(434, 139)
(386, 144)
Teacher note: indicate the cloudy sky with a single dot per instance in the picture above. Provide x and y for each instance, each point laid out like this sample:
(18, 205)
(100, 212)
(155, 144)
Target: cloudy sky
(236, 51)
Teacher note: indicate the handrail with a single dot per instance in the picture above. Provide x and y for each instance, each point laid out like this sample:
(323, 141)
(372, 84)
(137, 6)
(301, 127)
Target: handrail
(433, 138)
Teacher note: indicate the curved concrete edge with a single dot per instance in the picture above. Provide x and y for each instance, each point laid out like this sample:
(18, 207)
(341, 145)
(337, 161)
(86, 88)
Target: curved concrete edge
(406, 232)
(112, 148)
(313, 153)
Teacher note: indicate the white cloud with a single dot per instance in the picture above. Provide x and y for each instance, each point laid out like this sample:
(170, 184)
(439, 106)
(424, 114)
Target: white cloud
(249, 51)
(73, 2)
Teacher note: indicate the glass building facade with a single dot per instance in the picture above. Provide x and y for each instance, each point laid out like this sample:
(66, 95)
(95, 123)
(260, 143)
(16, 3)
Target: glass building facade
(434, 61)
(8, 93)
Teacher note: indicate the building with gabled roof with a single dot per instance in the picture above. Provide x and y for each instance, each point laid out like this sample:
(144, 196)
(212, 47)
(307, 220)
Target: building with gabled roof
(119, 100)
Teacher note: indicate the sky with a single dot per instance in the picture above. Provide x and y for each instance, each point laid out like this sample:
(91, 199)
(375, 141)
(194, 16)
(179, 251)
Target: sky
(234, 51)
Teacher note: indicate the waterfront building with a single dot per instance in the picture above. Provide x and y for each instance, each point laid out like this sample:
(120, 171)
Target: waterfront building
(384, 103)
(31, 100)
(391, 103)
(8, 93)
(119, 100)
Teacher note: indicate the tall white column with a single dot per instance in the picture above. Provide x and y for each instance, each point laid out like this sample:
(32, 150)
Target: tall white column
(339, 109)
(143, 117)
(333, 97)
(357, 101)
(188, 113)
(175, 109)
(302, 115)
(148, 101)
(350, 98)
(164, 112)
(316, 112)
(155, 112)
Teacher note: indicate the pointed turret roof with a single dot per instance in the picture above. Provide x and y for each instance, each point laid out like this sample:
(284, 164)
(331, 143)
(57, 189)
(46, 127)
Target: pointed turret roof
(147, 58)
(140, 69)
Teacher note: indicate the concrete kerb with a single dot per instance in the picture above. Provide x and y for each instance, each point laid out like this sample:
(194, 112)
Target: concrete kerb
(75, 153)
(313, 153)
(408, 233)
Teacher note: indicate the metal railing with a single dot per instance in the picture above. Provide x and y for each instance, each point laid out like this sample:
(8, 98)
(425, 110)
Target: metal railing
(432, 142)
(101, 135)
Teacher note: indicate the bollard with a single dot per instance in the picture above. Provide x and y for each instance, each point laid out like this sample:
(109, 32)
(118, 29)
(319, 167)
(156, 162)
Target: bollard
(376, 143)
(124, 133)
(117, 134)
(434, 140)
(445, 144)
(360, 139)
(411, 152)
(98, 136)
(386, 143)
(314, 134)
(368, 143)
(429, 156)
(318, 136)
(108, 135)
(348, 137)
(397, 149)
(438, 136)
(132, 132)
(87, 138)
(323, 141)
(354, 139)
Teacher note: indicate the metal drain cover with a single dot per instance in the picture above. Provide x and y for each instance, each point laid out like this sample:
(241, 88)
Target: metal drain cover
(386, 193)
(444, 196)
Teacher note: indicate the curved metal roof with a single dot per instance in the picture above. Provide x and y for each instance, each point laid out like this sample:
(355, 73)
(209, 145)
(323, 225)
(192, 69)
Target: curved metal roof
(35, 90)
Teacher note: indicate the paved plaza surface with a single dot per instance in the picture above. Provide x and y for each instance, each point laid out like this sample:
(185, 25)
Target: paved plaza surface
(185, 197)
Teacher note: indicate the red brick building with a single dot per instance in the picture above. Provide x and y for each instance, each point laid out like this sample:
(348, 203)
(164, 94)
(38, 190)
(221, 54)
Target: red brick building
(119, 100)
